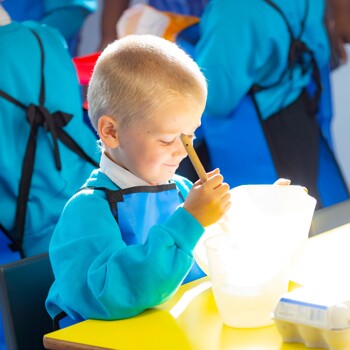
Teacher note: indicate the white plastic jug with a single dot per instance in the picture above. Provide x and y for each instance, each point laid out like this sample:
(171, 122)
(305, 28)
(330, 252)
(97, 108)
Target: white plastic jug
(249, 264)
(266, 215)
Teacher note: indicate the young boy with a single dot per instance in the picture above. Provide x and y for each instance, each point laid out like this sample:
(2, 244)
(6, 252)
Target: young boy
(124, 242)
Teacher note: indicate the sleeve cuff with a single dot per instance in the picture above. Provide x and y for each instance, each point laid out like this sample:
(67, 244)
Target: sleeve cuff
(184, 229)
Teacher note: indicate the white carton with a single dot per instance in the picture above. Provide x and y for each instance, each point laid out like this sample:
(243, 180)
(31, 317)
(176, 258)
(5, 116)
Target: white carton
(316, 319)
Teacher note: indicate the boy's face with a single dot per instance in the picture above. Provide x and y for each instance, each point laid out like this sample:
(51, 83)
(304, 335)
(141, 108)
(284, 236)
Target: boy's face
(152, 149)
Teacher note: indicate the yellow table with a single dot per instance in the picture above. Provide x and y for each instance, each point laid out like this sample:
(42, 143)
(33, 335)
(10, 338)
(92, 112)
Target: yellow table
(190, 320)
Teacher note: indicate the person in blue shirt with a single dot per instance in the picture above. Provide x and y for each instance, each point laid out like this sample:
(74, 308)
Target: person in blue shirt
(125, 241)
(46, 148)
(42, 129)
(67, 16)
(262, 59)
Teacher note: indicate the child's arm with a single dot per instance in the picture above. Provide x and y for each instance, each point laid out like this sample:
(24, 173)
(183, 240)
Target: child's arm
(99, 276)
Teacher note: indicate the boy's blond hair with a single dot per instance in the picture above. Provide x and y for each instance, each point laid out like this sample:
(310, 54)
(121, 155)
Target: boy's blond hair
(138, 74)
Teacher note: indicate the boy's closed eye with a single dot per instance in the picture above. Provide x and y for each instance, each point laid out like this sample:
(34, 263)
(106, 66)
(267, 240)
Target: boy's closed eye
(170, 142)
(166, 142)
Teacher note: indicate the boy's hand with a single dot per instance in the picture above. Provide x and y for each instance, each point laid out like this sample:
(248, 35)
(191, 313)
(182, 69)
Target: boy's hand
(283, 182)
(208, 201)
(286, 182)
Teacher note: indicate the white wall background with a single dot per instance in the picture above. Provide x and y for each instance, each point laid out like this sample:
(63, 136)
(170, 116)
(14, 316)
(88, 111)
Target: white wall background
(341, 93)
(341, 121)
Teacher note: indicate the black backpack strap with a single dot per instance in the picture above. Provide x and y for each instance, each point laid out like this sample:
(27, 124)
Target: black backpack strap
(6, 96)
(295, 56)
(35, 117)
(274, 6)
(12, 245)
(42, 56)
(15, 245)
(284, 17)
(56, 121)
(61, 119)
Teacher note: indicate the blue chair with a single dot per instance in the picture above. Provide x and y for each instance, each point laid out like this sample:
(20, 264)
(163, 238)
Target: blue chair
(24, 285)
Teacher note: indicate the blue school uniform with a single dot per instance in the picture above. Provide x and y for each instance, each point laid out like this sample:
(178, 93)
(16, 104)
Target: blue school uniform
(46, 148)
(116, 252)
(260, 121)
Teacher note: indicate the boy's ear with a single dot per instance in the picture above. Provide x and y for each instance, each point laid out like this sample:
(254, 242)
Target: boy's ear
(108, 131)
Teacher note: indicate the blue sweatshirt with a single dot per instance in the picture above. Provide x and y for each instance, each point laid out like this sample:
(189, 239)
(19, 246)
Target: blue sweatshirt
(21, 78)
(98, 276)
(247, 42)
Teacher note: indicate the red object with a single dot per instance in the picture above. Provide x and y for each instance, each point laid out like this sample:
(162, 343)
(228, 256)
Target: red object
(86, 105)
(84, 66)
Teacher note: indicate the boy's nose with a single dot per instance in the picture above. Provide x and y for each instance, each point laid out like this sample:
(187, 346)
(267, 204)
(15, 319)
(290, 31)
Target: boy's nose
(179, 149)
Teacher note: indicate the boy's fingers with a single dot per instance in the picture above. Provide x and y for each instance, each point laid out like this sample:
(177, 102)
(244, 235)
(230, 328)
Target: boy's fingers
(215, 179)
(282, 181)
(216, 183)
(223, 188)
(213, 172)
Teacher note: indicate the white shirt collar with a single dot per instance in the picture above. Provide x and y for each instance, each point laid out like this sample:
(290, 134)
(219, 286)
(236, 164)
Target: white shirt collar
(120, 176)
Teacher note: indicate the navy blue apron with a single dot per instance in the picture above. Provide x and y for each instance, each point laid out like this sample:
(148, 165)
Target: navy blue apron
(136, 210)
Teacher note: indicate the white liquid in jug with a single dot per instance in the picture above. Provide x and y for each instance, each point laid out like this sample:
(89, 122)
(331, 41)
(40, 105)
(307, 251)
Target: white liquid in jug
(249, 307)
